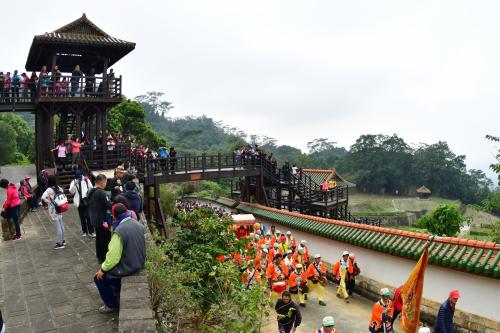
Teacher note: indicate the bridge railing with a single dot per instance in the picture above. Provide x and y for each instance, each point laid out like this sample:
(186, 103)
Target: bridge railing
(149, 165)
(66, 86)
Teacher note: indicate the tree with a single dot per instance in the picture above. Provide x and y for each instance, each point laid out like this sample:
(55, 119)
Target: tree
(152, 100)
(445, 220)
(319, 145)
(495, 166)
(8, 145)
(24, 134)
(129, 118)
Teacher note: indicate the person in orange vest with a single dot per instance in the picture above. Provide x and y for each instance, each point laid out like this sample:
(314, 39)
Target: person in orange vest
(341, 269)
(277, 274)
(291, 241)
(289, 260)
(268, 239)
(351, 277)
(301, 258)
(276, 237)
(303, 245)
(383, 310)
(297, 284)
(328, 326)
(261, 260)
(316, 273)
(250, 276)
(260, 240)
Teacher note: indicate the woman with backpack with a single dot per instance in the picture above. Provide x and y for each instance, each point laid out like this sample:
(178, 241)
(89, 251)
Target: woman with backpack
(58, 203)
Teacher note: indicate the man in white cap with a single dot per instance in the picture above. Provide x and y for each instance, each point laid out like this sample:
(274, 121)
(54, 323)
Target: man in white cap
(316, 273)
(297, 284)
(291, 241)
(383, 310)
(327, 326)
(289, 261)
(341, 270)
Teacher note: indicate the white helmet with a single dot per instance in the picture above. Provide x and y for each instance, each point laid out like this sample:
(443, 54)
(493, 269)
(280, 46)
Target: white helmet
(424, 330)
(289, 233)
(298, 266)
(303, 242)
(317, 255)
(345, 253)
(278, 232)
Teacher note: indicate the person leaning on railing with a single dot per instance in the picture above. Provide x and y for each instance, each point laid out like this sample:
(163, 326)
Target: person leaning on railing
(76, 78)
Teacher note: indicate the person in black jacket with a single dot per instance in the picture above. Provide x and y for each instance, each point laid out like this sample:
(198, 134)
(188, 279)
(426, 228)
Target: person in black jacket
(289, 317)
(99, 204)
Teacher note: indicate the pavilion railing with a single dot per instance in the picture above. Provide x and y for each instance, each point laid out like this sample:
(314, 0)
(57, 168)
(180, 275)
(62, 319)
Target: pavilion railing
(65, 86)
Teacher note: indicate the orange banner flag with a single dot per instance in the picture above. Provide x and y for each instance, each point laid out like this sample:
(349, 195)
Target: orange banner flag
(411, 294)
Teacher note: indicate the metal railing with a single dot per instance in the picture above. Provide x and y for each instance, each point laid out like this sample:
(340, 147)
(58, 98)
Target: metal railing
(62, 86)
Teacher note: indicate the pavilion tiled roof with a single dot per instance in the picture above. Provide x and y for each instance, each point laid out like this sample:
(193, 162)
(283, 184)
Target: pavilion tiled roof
(83, 32)
(468, 255)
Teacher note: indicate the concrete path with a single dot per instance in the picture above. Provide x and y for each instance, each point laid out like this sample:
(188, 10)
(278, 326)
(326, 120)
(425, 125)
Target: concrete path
(44, 290)
(349, 318)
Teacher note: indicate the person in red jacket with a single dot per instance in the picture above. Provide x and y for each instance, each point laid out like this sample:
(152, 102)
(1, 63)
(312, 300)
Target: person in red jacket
(398, 304)
(12, 205)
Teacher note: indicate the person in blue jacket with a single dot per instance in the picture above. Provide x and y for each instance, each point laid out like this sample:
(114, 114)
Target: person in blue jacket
(134, 199)
(444, 320)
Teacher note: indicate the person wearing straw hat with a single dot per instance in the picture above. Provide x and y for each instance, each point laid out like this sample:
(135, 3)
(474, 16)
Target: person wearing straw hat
(381, 319)
(444, 320)
(327, 326)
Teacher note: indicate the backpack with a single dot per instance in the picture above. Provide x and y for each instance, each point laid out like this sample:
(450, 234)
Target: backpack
(60, 201)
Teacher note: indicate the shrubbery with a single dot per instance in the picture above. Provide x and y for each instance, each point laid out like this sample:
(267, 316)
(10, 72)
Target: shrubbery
(192, 290)
(445, 220)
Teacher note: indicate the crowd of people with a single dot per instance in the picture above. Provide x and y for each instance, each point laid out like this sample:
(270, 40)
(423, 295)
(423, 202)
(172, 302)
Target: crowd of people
(187, 206)
(15, 87)
(291, 274)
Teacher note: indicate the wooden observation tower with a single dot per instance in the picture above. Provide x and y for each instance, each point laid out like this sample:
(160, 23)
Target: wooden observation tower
(81, 110)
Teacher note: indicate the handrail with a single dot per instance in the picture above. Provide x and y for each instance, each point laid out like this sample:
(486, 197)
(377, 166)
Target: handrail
(61, 86)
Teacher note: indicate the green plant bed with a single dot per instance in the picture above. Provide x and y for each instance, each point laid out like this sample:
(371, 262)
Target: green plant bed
(411, 229)
(380, 214)
(480, 232)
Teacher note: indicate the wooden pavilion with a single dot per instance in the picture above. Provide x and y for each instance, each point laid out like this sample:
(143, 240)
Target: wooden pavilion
(81, 112)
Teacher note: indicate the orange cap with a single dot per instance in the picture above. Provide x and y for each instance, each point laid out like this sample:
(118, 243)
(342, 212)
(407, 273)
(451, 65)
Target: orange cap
(454, 294)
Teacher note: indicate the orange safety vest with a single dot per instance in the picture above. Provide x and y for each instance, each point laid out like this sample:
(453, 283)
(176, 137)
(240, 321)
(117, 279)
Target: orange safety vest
(247, 275)
(313, 272)
(292, 281)
(378, 310)
(336, 269)
(273, 272)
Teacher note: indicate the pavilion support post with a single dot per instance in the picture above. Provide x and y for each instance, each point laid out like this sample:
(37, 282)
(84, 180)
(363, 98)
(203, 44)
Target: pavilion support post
(104, 136)
(78, 120)
(105, 62)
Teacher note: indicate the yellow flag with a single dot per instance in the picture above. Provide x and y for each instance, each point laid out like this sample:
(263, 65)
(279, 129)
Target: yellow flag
(411, 294)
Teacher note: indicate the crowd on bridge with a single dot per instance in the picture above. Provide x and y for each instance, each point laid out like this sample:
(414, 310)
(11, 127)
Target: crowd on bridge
(16, 87)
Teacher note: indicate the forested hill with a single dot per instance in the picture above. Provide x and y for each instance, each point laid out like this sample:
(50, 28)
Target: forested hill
(376, 163)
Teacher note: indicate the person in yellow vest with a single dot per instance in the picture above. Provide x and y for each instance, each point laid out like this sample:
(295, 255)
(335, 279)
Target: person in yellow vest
(316, 273)
(332, 184)
(383, 310)
(341, 270)
(327, 326)
(301, 257)
(297, 285)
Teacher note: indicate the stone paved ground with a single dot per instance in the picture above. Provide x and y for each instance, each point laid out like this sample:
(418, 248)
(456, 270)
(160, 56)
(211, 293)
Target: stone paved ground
(44, 290)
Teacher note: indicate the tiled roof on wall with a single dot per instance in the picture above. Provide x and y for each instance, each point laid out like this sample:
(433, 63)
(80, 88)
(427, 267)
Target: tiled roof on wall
(319, 176)
(458, 253)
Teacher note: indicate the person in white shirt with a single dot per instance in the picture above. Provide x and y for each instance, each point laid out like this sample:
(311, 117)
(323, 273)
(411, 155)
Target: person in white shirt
(80, 187)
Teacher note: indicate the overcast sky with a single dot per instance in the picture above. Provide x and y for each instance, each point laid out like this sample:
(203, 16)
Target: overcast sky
(299, 70)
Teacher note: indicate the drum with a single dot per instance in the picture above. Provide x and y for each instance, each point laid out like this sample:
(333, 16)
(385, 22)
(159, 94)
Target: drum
(279, 286)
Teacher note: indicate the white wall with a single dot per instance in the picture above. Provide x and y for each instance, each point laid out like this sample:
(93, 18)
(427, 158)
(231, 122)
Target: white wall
(480, 295)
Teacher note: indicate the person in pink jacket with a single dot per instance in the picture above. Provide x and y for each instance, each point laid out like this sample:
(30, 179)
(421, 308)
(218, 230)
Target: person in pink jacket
(12, 205)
